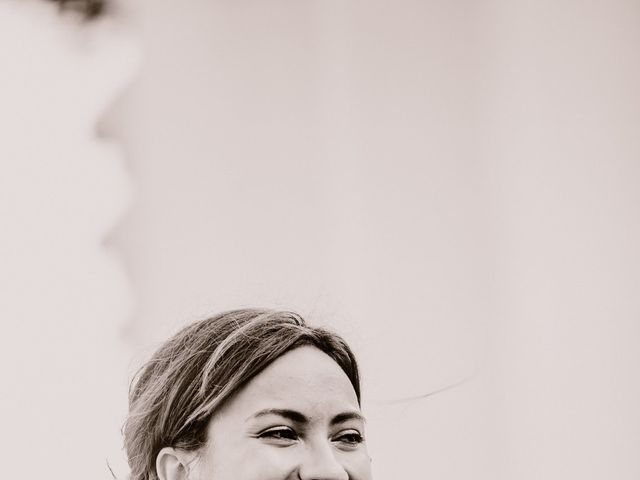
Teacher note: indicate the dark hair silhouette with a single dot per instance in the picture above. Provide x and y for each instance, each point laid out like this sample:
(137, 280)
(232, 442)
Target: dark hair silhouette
(88, 8)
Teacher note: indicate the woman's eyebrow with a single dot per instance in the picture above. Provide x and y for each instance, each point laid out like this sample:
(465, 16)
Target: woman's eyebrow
(343, 417)
(298, 417)
(292, 415)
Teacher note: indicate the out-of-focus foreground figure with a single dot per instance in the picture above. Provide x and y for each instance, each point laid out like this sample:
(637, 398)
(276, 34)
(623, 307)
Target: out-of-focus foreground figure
(64, 297)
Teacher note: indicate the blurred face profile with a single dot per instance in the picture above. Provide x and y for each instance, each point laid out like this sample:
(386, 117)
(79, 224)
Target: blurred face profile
(298, 419)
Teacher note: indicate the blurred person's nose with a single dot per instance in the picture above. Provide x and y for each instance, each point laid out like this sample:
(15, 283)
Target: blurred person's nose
(110, 126)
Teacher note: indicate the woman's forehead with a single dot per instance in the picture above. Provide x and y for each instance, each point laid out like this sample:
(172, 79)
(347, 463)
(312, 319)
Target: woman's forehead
(304, 379)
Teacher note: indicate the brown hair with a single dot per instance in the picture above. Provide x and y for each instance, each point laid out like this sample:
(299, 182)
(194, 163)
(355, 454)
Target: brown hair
(173, 396)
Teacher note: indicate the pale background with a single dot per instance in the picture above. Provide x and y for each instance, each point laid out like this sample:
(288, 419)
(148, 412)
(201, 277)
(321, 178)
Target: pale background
(454, 186)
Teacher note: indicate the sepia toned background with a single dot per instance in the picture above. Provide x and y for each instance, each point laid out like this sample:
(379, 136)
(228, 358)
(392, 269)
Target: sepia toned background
(453, 186)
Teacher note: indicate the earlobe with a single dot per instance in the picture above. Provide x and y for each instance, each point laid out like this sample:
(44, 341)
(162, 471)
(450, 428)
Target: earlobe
(171, 464)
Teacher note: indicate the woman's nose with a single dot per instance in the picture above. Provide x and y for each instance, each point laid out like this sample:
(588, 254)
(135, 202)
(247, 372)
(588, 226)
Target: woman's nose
(321, 463)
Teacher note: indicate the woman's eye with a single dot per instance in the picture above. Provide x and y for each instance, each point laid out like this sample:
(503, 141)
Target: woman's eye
(283, 434)
(350, 437)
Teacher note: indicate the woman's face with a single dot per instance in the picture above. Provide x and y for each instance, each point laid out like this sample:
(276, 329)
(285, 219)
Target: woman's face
(298, 419)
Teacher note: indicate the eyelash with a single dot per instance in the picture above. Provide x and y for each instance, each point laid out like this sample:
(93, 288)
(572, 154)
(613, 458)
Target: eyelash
(351, 438)
(286, 434)
(280, 433)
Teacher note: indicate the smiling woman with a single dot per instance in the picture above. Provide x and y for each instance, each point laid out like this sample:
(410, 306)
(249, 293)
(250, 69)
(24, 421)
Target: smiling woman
(247, 395)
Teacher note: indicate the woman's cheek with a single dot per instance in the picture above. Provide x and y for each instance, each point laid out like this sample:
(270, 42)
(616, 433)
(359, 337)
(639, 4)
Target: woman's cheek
(270, 463)
(357, 464)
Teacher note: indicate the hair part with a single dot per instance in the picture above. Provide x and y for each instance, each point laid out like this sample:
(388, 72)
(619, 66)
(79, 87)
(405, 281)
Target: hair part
(174, 395)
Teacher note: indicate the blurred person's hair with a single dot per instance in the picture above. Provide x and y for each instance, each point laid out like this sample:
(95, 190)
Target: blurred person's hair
(174, 395)
(88, 8)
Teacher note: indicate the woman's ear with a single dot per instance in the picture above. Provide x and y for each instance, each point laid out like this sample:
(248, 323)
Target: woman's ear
(171, 464)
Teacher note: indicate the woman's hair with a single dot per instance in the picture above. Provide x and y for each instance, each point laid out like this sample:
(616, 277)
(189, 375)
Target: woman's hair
(174, 395)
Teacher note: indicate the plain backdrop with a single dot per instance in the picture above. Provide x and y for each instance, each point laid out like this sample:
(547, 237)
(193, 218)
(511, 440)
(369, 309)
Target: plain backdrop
(453, 186)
